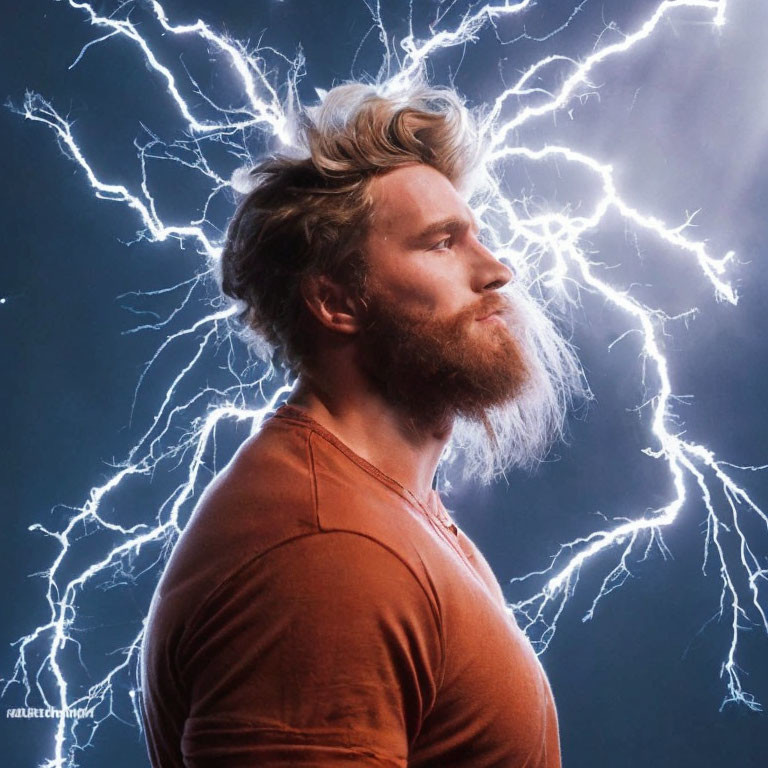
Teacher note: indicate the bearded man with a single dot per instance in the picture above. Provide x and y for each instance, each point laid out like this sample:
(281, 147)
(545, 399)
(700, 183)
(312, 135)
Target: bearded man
(321, 607)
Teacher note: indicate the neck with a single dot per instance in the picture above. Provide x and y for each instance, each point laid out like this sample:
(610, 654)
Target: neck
(376, 430)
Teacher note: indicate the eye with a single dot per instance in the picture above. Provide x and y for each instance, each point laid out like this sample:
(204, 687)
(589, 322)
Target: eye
(444, 243)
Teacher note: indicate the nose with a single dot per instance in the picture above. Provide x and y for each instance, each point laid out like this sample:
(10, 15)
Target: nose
(489, 273)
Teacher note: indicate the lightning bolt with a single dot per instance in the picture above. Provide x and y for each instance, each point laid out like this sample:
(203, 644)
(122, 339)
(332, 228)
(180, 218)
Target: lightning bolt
(547, 250)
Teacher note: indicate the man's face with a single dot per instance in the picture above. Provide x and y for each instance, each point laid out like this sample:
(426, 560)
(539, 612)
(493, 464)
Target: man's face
(436, 338)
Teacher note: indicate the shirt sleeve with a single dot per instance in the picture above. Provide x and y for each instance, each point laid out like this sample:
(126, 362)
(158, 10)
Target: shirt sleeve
(324, 651)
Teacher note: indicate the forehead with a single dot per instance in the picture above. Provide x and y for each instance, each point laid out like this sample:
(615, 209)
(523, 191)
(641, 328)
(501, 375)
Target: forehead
(410, 198)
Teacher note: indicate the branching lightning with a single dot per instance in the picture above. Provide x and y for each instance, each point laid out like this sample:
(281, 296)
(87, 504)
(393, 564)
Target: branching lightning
(547, 250)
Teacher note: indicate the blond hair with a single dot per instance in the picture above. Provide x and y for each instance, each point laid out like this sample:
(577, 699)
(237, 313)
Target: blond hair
(307, 211)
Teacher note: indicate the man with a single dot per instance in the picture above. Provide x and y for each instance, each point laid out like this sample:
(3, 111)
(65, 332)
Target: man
(321, 608)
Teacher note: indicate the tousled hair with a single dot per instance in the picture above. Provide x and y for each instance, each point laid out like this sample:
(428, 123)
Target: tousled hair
(307, 211)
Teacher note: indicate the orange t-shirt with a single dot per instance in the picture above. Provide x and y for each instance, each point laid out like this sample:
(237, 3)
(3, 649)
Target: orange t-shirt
(315, 613)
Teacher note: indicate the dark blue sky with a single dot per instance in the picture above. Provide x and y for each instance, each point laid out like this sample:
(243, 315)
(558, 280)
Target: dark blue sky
(683, 120)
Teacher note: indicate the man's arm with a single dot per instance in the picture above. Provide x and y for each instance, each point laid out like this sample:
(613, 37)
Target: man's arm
(323, 651)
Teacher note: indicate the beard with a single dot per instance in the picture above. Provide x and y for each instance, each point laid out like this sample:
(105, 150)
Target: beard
(436, 369)
(504, 386)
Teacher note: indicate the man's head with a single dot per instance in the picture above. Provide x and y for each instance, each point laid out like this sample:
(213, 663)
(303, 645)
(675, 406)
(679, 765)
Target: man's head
(309, 211)
(366, 240)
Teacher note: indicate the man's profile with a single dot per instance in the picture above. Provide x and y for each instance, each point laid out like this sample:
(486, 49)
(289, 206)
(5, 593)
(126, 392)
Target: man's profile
(321, 608)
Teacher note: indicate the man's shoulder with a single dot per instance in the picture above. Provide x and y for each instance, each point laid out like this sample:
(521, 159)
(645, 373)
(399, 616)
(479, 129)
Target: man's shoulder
(290, 480)
(266, 489)
(295, 478)
(262, 497)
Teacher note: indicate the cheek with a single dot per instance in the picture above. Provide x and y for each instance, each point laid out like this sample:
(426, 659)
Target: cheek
(421, 284)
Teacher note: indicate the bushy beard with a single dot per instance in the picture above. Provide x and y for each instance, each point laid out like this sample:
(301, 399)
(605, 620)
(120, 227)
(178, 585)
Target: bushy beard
(504, 387)
(435, 369)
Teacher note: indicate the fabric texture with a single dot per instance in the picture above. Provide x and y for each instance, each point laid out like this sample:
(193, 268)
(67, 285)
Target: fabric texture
(315, 613)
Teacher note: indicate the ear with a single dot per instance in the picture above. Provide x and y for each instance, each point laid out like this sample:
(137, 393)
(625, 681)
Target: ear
(332, 303)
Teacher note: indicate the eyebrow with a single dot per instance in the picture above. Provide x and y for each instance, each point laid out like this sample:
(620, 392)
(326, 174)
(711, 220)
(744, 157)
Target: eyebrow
(451, 225)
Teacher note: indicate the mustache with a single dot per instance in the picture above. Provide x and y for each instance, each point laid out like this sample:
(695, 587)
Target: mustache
(488, 305)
